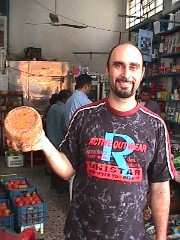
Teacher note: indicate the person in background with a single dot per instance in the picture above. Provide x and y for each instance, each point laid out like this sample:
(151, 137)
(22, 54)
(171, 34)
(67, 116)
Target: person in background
(54, 120)
(79, 98)
(54, 98)
(56, 133)
(115, 152)
(145, 100)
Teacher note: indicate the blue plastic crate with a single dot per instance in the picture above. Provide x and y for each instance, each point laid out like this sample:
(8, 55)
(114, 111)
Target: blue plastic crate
(8, 180)
(28, 214)
(7, 221)
(2, 193)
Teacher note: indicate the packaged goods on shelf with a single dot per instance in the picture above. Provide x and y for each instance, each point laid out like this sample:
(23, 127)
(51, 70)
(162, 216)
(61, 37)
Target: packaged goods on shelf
(173, 230)
(176, 162)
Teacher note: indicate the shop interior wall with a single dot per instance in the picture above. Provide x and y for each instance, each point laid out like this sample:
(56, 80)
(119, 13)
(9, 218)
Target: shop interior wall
(59, 43)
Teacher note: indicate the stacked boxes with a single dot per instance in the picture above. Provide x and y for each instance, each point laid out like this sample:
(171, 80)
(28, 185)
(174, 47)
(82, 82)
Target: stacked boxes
(16, 183)
(2, 193)
(25, 203)
(6, 216)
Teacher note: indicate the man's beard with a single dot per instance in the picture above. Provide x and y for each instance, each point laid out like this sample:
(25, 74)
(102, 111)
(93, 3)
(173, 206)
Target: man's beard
(120, 92)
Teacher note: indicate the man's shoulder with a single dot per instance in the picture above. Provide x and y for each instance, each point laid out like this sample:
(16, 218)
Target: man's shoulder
(79, 98)
(153, 106)
(73, 97)
(154, 102)
(79, 94)
(93, 106)
(57, 106)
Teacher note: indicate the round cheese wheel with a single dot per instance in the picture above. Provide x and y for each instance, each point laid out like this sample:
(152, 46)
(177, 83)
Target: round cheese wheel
(23, 125)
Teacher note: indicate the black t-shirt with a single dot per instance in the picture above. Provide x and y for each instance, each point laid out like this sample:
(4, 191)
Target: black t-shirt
(115, 155)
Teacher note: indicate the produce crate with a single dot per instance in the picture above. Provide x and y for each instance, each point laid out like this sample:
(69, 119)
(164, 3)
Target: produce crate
(2, 193)
(15, 161)
(15, 183)
(38, 227)
(6, 221)
(26, 213)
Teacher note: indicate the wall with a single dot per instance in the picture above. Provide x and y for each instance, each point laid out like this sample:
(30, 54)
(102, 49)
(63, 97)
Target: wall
(60, 42)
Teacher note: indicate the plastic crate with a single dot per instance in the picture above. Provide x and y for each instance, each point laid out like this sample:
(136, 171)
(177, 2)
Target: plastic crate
(38, 227)
(28, 215)
(15, 161)
(7, 221)
(23, 184)
(2, 196)
(2, 193)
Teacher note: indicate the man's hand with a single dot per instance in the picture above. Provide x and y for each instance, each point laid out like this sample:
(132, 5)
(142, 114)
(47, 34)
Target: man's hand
(57, 160)
(26, 148)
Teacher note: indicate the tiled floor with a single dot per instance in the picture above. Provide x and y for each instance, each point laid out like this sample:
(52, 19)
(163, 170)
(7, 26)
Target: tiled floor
(57, 204)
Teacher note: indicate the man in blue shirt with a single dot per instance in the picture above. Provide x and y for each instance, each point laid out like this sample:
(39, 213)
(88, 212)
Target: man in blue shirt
(79, 97)
(77, 100)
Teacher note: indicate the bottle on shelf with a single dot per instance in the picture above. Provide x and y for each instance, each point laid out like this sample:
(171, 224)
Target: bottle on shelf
(161, 45)
(161, 67)
(172, 112)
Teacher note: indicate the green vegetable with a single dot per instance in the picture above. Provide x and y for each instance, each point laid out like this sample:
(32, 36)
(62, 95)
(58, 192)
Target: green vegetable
(11, 152)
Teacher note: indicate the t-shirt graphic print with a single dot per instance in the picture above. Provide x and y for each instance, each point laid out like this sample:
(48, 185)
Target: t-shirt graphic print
(118, 147)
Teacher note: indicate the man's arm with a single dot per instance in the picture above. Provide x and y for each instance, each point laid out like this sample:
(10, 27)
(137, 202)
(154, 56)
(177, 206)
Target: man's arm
(57, 160)
(160, 204)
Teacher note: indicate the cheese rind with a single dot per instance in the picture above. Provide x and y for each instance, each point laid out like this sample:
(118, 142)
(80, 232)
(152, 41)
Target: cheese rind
(23, 125)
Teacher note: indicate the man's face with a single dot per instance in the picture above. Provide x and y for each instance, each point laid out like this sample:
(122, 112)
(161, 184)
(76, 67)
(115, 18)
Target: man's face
(87, 88)
(125, 70)
(145, 97)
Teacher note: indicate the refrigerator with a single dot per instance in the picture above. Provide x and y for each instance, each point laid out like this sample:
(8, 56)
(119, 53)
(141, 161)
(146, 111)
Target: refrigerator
(95, 91)
(38, 80)
(104, 89)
